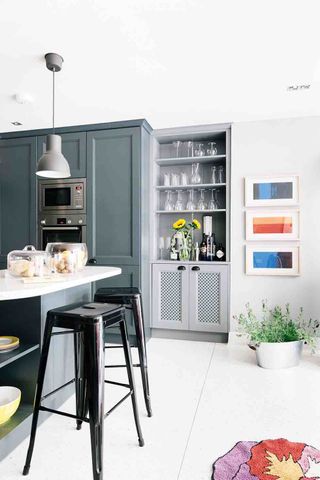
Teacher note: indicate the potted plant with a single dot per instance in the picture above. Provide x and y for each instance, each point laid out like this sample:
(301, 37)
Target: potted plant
(276, 337)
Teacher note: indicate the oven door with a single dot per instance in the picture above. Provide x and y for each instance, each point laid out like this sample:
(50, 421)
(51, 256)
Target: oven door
(76, 234)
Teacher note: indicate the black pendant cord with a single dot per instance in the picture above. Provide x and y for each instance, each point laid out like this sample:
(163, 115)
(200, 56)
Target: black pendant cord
(53, 89)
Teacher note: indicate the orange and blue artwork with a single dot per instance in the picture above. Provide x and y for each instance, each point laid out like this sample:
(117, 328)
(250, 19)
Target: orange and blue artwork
(272, 225)
(268, 460)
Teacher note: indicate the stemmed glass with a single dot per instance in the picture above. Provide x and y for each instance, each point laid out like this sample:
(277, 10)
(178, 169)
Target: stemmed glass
(177, 144)
(169, 206)
(199, 150)
(190, 204)
(212, 149)
(179, 204)
(190, 149)
(201, 203)
(213, 203)
(214, 175)
(195, 175)
(220, 174)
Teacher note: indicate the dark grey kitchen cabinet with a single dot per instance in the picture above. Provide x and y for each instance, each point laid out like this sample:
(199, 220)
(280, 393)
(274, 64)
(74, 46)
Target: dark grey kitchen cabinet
(17, 194)
(73, 148)
(113, 196)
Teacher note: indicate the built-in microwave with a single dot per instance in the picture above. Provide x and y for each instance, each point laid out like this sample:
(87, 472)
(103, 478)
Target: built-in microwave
(62, 195)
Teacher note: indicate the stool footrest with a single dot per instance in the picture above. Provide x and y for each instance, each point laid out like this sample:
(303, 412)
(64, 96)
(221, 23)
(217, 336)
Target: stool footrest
(117, 404)
(111, 382)
(64, 414)
(122, 366)
(57, 389)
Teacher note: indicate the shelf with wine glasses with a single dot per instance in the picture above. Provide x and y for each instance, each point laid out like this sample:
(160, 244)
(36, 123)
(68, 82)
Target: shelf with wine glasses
(218, 210)
(189, 160)
(188, 187)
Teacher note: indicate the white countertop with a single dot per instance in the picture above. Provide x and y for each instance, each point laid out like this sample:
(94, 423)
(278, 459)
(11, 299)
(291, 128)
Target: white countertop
(13, 288)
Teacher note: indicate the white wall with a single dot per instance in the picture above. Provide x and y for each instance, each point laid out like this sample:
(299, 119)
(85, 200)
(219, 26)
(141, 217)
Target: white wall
(267, 148)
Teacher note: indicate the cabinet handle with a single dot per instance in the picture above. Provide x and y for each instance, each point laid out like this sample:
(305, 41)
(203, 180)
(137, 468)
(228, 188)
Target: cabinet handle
(92, 261)
(195, 269)
(181, 267)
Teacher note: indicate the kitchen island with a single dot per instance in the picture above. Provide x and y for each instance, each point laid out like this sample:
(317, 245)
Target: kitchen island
(23, 309)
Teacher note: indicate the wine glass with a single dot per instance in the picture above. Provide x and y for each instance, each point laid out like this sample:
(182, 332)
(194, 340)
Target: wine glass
(214, 175)
(168, 206)
(179, 204)
(177, 144)
(201, 203)
(190, 204)
(220, 174)
(195, 175)
(199, 150)
(190, 149)
(213, 203)
(212, 149)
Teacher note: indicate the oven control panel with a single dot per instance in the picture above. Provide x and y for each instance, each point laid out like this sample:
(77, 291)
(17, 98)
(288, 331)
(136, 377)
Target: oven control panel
(62, 220)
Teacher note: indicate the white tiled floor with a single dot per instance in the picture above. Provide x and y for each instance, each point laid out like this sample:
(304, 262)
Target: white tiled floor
(205, 398)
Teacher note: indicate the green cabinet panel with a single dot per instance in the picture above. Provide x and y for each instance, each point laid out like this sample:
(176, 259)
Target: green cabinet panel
(73, 148)
(113, 196)
(17, 194)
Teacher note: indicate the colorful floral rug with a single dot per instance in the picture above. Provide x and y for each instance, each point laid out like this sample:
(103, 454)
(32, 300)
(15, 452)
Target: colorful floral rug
(268, 460)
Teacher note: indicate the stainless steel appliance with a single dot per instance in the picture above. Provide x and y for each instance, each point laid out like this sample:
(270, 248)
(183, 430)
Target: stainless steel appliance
(62, 211)
(67, 195)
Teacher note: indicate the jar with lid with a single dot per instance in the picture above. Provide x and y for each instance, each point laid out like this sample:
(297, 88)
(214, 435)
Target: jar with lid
(66, 257)
(28, 262)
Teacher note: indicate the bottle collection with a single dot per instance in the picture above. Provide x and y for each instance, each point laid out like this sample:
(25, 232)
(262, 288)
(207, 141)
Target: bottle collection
(208, 250)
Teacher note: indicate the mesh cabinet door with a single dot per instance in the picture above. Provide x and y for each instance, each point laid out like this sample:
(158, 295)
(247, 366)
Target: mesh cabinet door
(170, 296)
(209, 294)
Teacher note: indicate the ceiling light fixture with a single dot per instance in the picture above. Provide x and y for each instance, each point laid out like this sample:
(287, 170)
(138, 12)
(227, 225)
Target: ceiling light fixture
(53, 164)
(16, 123)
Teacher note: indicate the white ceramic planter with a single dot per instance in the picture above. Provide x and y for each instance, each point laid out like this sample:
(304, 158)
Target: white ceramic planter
(278, 355)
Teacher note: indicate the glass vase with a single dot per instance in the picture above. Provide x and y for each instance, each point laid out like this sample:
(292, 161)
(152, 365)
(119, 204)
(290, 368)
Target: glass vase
(184, 253)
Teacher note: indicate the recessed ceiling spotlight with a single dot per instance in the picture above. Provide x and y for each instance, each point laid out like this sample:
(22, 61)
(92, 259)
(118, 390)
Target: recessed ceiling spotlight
(295, 88)
(16, 123)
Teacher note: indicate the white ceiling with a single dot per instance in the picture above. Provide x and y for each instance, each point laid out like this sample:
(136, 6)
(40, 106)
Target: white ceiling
(173, 62)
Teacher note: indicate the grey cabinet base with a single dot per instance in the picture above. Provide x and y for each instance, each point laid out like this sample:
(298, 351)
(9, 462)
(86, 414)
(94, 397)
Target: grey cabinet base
(189, 335)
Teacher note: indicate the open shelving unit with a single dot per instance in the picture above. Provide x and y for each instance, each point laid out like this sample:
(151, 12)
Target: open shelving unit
(169, 160)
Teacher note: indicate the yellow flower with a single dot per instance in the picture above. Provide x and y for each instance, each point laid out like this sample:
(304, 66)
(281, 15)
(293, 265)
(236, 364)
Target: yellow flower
(179, 224)
(196, 224)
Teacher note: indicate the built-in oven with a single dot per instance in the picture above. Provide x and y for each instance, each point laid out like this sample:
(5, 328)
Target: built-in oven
(62, 228)
(67, 195)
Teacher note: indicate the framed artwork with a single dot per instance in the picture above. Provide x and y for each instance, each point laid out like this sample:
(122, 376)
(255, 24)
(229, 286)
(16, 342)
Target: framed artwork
(272, 191)
(272, 225)
(272, 259)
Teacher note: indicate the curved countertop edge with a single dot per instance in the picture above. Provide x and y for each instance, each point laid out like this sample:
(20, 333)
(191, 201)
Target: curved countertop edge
(13, 288)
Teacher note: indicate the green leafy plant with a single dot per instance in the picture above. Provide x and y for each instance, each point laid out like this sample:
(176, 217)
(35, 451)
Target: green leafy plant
(276, 325)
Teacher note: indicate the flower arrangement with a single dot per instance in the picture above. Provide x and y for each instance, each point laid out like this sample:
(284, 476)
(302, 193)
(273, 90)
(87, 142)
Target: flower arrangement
(185, 229)
(276, 325)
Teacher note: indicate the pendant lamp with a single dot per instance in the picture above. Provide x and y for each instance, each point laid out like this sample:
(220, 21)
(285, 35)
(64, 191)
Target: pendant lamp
(53, 164)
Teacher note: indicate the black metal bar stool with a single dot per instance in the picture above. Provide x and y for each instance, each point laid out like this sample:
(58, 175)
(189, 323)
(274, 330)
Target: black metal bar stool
(87, 322)
(130, 298)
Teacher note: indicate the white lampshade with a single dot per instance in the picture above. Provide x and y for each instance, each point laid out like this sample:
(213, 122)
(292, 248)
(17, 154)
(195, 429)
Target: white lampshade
(53, 164)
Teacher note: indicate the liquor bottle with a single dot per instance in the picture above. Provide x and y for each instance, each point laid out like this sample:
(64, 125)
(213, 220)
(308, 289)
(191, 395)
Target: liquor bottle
(203, 248)
(211, 247)
(220, 253)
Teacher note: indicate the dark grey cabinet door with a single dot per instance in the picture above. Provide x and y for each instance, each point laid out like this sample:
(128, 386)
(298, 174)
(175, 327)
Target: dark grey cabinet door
(73, 148)
(113, 196)
(17, 194)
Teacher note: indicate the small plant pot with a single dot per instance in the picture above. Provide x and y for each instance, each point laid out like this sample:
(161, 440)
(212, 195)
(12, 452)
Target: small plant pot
(278, 355)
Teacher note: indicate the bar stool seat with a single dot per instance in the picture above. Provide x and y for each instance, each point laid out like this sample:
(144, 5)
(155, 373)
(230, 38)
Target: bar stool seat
(87, 322)
(130, 298)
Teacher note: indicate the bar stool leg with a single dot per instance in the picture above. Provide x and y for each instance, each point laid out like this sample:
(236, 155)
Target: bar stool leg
(80, 381)
(94, 373)
(127, 354)
(142, 350)
(38, 395)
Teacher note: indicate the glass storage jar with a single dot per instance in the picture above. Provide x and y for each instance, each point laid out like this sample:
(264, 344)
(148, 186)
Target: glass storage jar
(28, 262)
(66, 257)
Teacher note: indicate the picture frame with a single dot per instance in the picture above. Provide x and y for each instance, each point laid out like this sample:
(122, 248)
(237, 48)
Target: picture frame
(273, 225)
(268, 191)
(275, 259)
